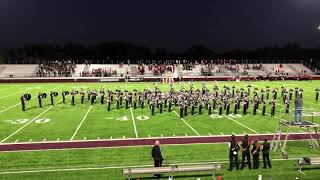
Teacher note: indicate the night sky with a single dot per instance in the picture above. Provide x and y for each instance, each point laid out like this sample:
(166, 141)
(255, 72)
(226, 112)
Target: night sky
(174, 24)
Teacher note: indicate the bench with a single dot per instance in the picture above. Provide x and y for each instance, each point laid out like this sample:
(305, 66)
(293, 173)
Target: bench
(303, 162)
(172, 170)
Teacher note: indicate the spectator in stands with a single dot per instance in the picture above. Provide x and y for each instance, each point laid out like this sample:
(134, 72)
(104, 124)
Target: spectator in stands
(298, 109)
(157, 156)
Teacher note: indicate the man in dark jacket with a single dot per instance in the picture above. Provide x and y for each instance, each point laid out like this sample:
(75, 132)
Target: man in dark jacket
(265, 154)
(157, 156)
(245, 144)
(233, 153)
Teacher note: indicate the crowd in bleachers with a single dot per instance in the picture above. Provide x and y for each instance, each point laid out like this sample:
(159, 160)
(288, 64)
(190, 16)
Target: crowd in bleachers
(98, 72)
(229, 67)
(56, 68)
(155, 68)
(279, 70)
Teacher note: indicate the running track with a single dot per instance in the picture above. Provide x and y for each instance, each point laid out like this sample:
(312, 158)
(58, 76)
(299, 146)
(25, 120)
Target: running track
(135, 142)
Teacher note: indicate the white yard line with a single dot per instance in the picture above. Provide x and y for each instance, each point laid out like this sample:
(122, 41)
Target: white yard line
(12, 94)
(187, 123)
(239, 123)
(27, 124)
(85, 116)
(134, 124)
(9, 108)
(7, 88)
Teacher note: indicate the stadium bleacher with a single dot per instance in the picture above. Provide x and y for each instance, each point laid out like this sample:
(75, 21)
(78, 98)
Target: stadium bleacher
(120, 70)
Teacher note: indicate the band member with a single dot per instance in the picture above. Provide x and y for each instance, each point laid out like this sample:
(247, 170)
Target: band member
(265, 154)
(185, 108)
(82, 96)
(263, 108)
(40, 99)
(284, 97)
(200, 107)
(275, 93)
(262, 94)
(142, 103)
(160, 106)
(244, 107)
(93, 97)
(73, 93)
(290, 94)
(233, 89)
(255, 154)
(118, 100)
(300, 92)
(317, 94)
(255, 106)
(109, 104)
(181, 106)
(152, 107)
(273, 107)
(51, 98)
(235, 110)
(170, 104)
(267, 92)
(296, 91)
(233, 153)
(23, 104)
(192, 106)
(214, 99)
(220, 108)
(287, 107)
(209, 109)
(101, 92)
(134, 102)
(245, 144)
(228, 108)
(126, 98)
(63, 96)
(89, 94)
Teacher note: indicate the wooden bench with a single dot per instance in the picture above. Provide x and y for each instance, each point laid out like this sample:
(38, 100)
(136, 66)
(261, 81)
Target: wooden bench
(172, 170)
(313, 162)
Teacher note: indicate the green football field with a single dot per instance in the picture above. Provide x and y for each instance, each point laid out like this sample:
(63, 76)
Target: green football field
(64, 122)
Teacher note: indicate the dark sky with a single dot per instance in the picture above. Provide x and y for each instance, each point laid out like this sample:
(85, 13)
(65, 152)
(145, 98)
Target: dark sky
(174, 24)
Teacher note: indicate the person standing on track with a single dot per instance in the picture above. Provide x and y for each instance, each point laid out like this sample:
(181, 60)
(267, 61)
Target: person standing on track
(245, 144)
(156, 154)
(255, 154)
(265, 154)
(233, 153)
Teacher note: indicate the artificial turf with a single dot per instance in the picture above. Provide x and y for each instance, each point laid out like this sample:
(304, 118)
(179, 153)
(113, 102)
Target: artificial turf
(107, 163)
(61, 121)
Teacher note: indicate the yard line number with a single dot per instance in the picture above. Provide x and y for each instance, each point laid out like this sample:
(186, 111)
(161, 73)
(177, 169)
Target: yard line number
(125, 118)
(24, 121)
(217, 116)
